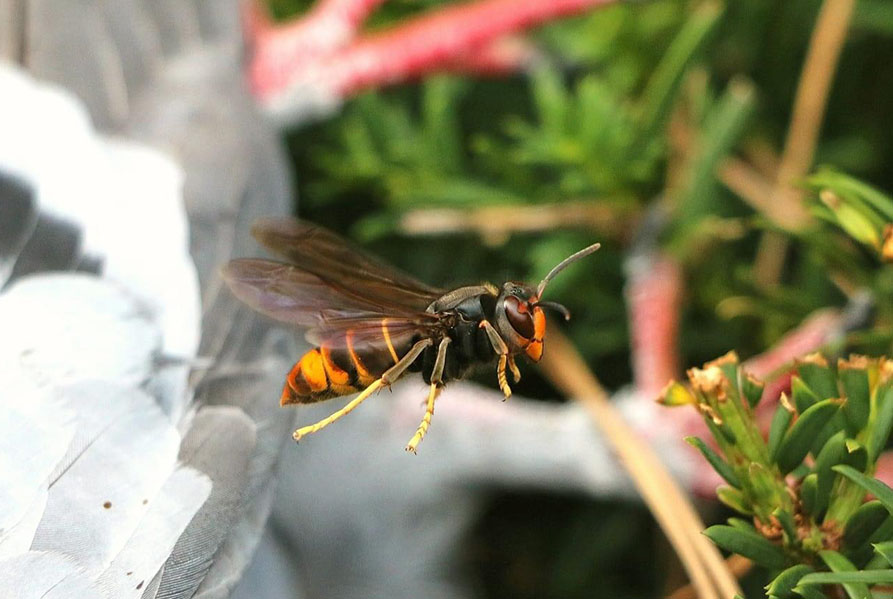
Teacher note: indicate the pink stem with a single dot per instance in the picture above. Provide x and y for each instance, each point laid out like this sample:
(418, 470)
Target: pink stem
(279, 48)
(423, 44)
(653, 296)
(503, 56)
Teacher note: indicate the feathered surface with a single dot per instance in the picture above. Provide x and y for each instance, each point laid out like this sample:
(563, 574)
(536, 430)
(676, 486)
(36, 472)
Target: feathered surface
(117, 479)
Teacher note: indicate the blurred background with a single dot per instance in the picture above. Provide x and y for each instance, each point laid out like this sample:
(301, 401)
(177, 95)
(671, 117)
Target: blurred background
(733, 158)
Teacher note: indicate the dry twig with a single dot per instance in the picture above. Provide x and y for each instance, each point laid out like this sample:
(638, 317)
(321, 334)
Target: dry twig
(809, 110)
(496, 223)
(710, 578)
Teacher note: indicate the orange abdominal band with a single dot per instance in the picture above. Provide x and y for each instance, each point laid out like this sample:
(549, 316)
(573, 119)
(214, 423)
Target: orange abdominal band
(364, 377)
(306, 378)
(339, 380)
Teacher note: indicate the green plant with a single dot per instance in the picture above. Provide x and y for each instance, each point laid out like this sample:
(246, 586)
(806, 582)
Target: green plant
(803, 489)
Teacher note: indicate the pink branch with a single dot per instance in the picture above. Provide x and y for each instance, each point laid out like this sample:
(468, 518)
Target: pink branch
(313, 57)
(432, 40)
(503, 56)
(279, 49)
(653, 296)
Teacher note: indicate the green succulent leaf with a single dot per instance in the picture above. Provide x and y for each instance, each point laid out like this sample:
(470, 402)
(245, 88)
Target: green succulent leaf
(798, 441)
(787, 523)
(865, 577)
(820, 379)
(882, 492)
(802, 394)
(752, 389)
(883, 425)
(748, 544)
(863, 522)
(858, 404)
(741, 524)
(808, 494)
(720, 465)
(841, 565)
(809, 591)
(856, 456)
(782, 586)
(735, 499)
(885, 550)
(832, 454)
(781, 420)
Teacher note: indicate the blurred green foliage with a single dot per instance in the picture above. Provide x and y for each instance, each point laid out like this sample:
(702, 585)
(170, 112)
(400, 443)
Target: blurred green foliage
(630, 109)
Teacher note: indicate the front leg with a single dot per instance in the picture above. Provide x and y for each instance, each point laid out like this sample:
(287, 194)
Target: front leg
(436, 386)
(502, 351)
(514, 368)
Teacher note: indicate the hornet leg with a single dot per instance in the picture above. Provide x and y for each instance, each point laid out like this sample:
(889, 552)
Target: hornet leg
(390, 375)
(436, 387)
(502, 349)
(516, 374)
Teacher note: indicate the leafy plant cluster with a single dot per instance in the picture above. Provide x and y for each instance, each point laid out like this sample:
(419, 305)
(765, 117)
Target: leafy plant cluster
(803, 489)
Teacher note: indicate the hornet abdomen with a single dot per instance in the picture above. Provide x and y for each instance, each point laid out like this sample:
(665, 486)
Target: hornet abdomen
(343, 367)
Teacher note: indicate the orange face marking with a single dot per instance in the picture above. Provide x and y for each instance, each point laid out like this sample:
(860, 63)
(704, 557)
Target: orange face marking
(534, 350)
(539, 324)
(313, 370)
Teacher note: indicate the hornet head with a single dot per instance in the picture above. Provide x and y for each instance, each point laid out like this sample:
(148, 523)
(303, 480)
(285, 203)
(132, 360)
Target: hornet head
(519, 312)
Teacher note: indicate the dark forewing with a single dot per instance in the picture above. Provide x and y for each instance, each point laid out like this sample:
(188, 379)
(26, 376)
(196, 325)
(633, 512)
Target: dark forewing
(290, 294)
(341, 264)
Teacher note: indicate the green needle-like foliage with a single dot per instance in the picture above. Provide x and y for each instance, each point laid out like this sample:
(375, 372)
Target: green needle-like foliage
(805, 487)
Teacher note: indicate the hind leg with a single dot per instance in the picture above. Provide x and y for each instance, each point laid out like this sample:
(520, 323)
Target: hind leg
(390, 375)
(436, 387)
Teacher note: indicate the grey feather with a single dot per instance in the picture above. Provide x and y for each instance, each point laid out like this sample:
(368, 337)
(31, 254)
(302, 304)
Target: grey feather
(18, 217)
(55, 244)
(236, 553)
(219, 443)
(67, 41)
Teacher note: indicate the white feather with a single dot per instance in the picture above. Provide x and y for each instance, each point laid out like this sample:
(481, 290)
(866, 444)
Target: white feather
(44, 575)
(18, 537)
(94, 508)
(66, 327)
(35, 432)
(96, 405)
(169, 513)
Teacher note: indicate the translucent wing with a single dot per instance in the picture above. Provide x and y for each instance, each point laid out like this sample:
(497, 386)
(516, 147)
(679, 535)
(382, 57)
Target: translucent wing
(329, 311)
(338, 262)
